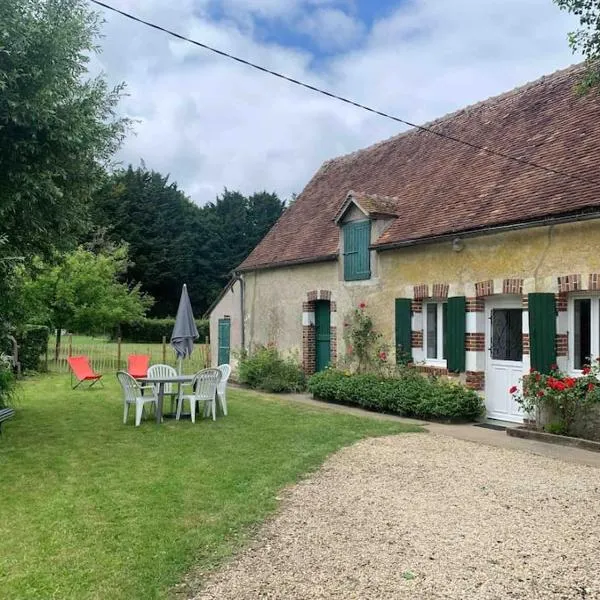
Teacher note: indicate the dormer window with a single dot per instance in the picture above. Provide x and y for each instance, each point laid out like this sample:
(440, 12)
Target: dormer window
(362, 218)
(357, 256)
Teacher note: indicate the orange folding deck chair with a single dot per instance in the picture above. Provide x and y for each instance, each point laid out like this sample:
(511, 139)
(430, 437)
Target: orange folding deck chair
(137, 365)
(80, 367)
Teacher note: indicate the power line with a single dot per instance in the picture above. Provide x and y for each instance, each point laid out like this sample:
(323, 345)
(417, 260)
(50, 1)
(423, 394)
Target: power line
(345, 100)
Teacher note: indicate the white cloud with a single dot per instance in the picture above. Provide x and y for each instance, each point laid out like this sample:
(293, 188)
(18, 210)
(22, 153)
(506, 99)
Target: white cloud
(331, 28)
(213, 123)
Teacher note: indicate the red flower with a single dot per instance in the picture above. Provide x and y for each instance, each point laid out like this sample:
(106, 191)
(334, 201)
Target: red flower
(553, 367)
(382, 355)
(590, 387)
(513, 389)
(362, 306)
(537, 376)
(541, 394)
(559, 386)
(586, 370)
(531, 370)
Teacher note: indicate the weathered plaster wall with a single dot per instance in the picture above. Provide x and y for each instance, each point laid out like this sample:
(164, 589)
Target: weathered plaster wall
(274, 297)
(228, 306)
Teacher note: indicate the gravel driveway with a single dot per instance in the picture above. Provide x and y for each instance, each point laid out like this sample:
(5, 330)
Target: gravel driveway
(426, 516)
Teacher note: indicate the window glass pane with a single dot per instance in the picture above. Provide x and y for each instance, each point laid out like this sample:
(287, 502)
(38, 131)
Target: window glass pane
(431, 330)
(582, 332)
(507, 330)
(444, 329)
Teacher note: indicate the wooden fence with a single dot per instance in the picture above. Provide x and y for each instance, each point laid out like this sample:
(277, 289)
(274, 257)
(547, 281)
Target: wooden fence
(107, 357)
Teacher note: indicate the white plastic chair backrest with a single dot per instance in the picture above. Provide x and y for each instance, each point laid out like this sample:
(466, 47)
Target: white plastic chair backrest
(205, 383)
(225, 373)
(163, 371)
(130, 386)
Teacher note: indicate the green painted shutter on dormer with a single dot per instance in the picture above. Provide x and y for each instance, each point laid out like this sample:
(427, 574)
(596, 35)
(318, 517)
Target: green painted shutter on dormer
(357, 259)
(456, 319)
(542, 331)
(403, 327)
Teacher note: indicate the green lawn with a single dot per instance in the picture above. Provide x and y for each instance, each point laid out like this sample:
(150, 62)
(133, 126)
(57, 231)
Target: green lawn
(95, 509)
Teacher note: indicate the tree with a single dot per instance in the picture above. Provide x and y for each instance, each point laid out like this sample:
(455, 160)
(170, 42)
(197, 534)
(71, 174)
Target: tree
(586, 39)
(165, 233)
(58, 128)
(83, 293)
(173, 241)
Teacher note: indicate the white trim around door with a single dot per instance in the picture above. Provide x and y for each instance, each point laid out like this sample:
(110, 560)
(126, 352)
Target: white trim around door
(504, 356)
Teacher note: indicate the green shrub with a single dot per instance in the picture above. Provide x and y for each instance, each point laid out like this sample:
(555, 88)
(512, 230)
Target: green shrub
(408, 394)
(153, 330)
(267, 370)
(7, 384)
(33, 343)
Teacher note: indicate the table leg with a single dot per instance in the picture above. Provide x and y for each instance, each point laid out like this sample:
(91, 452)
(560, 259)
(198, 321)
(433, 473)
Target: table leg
(159, 408)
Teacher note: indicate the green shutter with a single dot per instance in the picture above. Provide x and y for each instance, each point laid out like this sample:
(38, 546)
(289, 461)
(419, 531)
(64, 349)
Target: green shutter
(357, 259)
(542, 331)
(403, 328)
(224, 341)
(455, 337)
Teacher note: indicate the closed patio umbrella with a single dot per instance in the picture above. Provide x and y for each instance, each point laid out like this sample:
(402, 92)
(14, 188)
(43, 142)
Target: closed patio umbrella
(184, 331)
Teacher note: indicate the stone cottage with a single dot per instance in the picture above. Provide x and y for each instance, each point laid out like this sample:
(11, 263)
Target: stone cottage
(476, 264)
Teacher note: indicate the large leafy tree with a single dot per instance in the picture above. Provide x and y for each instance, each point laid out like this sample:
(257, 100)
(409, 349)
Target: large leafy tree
(83, 292)
(586, 39)
(58, 127)
(172, 240)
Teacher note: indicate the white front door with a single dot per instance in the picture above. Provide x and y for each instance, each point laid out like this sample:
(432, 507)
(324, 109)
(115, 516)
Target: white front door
(504, 357)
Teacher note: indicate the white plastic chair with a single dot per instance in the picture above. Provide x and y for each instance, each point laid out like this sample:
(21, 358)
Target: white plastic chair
(171, 389)
(132, 394)
(205, 390)
(222, 387)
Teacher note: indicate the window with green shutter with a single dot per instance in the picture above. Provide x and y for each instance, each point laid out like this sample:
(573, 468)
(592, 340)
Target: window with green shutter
(357, 258)
(403, 327)
(456, 318)
(542, 331)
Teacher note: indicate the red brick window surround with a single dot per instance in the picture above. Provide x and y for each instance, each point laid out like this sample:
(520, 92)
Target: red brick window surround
(440, 291)
(475, 305)
(421, 291)
(569, 283)
(512, 286)
(416, 306)
(475, 380)
(309, 332)
(484, 288)
(594, 282)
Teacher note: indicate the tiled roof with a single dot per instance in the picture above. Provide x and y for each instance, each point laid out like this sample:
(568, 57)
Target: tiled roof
(441, 187)
(372, 204)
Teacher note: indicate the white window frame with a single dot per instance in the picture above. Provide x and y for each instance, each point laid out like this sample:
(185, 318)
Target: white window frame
(594, 327)
(438, 361)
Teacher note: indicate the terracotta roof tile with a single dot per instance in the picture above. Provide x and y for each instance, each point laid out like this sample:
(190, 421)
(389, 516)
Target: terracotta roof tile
(440, 187)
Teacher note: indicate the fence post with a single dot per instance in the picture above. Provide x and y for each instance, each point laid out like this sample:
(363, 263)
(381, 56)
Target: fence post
(118, 354)
(164, 350)
(70, 344)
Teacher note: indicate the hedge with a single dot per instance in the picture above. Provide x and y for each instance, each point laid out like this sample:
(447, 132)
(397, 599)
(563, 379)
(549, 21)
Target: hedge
(410, 394)
(153, 330)
(33, 343)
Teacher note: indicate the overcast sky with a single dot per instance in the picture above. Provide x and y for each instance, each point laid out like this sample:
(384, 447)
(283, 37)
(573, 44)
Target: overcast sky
(212, 123)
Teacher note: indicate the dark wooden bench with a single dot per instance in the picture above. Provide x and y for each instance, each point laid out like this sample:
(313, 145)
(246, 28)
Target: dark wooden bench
(5, 414)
